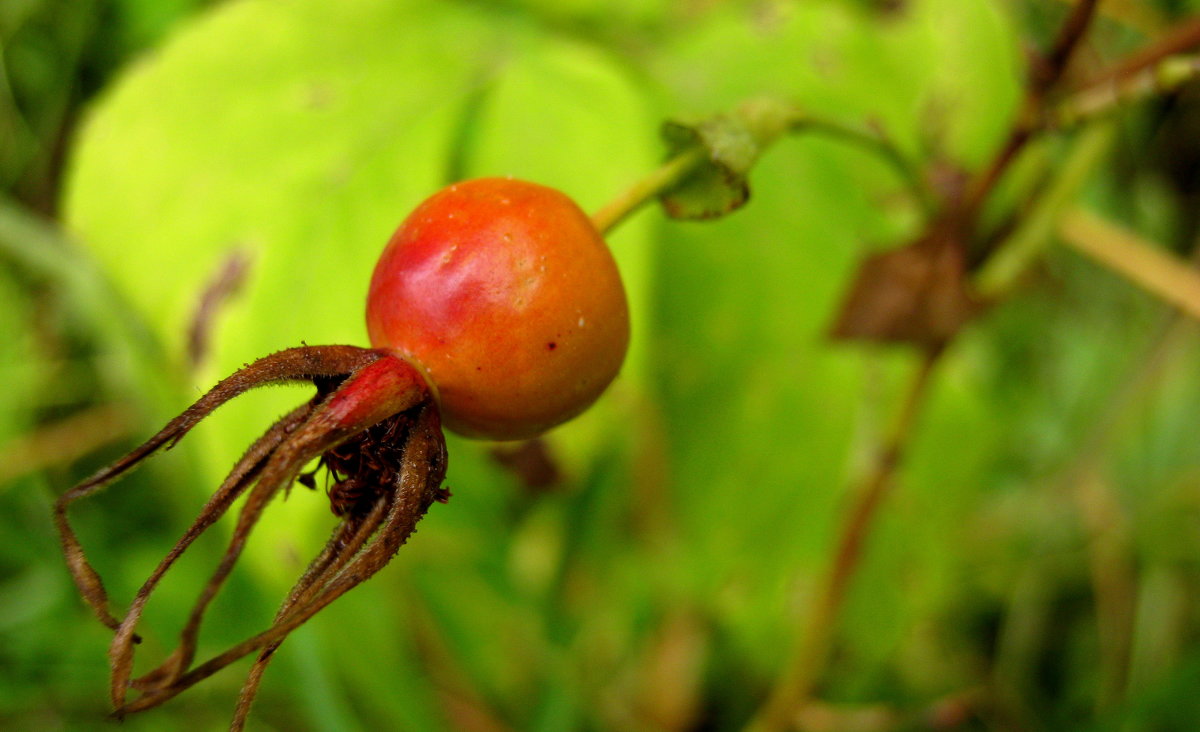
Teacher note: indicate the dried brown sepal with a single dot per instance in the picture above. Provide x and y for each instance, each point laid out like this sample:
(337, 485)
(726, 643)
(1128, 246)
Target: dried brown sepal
(917, 294)
(417, 488)
(374, 427)
(294, 364)
(348, 540)
(244, 473)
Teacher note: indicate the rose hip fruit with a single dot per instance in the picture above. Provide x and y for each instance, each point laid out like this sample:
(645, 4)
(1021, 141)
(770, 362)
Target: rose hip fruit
(496, 308)
(506, 297)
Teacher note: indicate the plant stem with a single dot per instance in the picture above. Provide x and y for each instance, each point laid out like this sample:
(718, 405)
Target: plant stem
(1102, 97)
(666, 177)
(1070, 33)
(1043, 79)
(767, 120)
(808, 657)
(1184, 37)
(812, 647)
(874, 140)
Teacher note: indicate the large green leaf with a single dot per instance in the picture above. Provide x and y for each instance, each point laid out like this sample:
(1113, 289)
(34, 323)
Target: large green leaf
(299, 135)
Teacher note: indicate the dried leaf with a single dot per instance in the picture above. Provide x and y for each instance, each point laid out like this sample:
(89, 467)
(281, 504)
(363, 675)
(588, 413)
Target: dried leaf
(916, 294)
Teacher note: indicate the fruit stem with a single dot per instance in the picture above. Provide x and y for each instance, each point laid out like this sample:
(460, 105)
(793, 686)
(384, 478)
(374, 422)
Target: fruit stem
(873, 138)
(661, 180)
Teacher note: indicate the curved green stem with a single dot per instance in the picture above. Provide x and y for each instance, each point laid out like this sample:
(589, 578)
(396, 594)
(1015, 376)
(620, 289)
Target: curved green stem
(666, 177)
(874, 140)
(766, 121)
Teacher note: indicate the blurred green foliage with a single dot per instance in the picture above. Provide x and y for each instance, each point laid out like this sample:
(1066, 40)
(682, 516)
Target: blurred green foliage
(658, 586)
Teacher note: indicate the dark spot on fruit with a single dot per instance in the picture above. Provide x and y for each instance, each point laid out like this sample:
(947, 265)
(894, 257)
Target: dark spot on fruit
(551, 345)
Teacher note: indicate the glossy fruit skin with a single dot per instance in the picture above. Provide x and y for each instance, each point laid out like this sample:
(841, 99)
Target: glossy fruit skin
(504, 294)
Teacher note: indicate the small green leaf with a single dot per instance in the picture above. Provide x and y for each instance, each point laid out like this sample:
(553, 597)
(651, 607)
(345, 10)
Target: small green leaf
(716, 188)
(733, 143)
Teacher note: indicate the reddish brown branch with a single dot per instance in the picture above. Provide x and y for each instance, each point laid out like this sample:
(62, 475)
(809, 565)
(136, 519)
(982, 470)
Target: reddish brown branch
(1043, 79)
(1047, 74)
(1182, 38)
(815, 640)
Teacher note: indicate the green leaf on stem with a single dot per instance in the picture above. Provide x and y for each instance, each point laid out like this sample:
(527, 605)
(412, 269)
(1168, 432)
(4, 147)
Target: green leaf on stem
(733, 143)
(719, 186)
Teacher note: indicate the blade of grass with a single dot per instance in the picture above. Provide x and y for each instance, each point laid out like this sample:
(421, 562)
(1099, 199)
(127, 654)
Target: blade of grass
(137, 364)
(1115, 574)
(1166, 277)
(1003, 270)
(63, 442)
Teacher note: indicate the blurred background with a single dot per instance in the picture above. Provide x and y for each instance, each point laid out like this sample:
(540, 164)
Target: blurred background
(186, 185)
